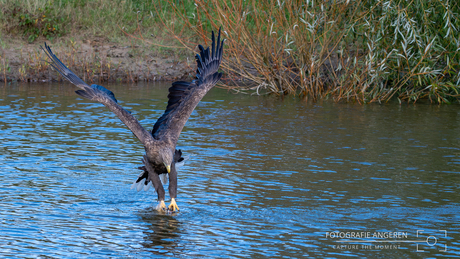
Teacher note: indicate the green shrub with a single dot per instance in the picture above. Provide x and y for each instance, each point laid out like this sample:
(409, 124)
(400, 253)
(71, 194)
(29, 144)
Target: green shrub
(32, 25)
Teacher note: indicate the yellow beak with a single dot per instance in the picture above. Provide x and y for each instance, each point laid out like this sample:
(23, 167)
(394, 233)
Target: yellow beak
(168, 168)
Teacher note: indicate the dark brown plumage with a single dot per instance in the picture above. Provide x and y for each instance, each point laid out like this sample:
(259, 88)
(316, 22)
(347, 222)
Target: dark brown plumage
(161, 155)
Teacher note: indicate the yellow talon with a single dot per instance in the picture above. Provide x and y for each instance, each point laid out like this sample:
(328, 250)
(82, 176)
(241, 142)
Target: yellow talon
(161, 206)
(173, 206)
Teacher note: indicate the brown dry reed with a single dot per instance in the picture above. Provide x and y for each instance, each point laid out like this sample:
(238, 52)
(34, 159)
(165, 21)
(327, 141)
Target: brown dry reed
(364, 51)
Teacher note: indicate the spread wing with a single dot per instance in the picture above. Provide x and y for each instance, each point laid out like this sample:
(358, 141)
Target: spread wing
(184, 97)
(100, 94)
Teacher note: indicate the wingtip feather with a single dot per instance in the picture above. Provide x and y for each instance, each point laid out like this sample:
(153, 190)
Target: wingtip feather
(213, 45)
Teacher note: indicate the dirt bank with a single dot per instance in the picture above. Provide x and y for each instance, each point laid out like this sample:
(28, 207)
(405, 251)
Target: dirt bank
(94, 60)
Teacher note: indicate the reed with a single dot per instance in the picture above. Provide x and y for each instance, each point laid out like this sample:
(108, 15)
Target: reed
(365, 51)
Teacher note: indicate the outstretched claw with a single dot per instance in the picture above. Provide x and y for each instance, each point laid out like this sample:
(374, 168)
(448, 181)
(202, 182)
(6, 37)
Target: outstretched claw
(161, 206)
(173, 206)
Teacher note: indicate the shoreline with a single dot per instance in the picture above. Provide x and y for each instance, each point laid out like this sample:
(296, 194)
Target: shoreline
(94, 61)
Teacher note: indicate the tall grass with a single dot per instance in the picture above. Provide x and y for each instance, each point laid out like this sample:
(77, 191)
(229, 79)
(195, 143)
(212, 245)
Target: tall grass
(366, 51)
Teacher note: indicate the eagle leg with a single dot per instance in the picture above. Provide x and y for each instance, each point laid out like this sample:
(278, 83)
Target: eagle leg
(156, 183)
(173, 206)
(173, 187)
(161, 206)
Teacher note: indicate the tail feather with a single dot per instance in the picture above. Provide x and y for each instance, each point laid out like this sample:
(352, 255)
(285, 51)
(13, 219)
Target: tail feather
(147, 186)
(182, 161)
(140, 185)
(141, 181)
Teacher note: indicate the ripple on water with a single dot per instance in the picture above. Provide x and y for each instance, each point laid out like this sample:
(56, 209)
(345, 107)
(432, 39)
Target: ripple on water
(265, 178)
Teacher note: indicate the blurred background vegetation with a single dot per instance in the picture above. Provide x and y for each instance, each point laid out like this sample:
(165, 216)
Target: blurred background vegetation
(364, 51)
(51, 19)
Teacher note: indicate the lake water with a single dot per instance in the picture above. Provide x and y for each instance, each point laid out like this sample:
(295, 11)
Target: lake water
(267, 178)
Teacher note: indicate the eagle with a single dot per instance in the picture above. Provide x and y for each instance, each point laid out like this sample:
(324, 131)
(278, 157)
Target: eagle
(161, 157)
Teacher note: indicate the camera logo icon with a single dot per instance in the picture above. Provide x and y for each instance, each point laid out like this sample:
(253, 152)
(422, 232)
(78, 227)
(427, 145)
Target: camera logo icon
(432, 240)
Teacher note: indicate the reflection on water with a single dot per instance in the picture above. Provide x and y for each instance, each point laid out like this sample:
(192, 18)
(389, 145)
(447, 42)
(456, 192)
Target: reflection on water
(162, 236)
(267, 177)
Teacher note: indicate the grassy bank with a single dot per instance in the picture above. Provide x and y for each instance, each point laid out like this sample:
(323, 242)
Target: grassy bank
(92, 38)
(51, 19)
(365, 51)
